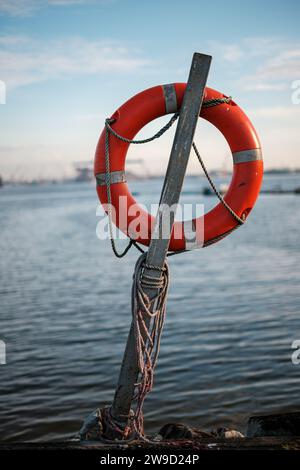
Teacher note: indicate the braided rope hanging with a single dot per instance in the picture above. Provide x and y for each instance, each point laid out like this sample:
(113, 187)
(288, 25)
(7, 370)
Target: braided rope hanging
(148, 320)
(148, 317)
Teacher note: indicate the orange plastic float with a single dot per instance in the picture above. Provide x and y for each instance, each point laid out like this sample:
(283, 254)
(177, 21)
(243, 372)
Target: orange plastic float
(243, 141)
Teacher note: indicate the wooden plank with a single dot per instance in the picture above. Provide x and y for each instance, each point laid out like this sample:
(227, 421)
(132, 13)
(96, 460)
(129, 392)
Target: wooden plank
(283, 424)
(180, 152)
(158, 248)
(255, 443)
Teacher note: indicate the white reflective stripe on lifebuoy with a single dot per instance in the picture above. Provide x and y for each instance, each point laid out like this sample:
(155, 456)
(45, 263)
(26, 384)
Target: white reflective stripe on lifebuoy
(247, 156)
(170, 98)
(115, 177)
(190, 235)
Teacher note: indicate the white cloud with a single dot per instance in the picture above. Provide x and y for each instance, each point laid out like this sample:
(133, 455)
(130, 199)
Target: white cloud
(277, 112)
(90, 117)
(8, 40)
(18, 7)
(278, 129)
(228, 52)
(284, 66)
(274, 74)
(275, 61)
(232, 53)
(66, 2)
(28, 7)
(25, 61)
(24, 162)
(265, 86)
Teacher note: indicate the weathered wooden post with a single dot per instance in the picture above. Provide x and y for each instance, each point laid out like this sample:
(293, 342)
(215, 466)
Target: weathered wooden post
(158, 248)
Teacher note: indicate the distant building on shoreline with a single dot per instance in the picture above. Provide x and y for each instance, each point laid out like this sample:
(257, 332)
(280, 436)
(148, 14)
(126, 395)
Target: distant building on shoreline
(84, 171)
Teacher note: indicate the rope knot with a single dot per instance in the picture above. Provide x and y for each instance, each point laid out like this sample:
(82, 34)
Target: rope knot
(116, 429)
(110, 121)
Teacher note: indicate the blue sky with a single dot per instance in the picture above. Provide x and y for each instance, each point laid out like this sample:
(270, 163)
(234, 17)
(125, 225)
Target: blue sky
(68, 64)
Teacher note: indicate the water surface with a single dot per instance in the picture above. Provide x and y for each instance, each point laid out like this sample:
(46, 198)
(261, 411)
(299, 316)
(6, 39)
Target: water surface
(233, 313)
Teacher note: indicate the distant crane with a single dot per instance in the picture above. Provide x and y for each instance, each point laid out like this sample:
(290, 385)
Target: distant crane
(85, 169)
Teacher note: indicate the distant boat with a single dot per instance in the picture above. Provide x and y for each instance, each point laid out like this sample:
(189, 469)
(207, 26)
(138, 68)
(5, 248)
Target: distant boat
(208, 191)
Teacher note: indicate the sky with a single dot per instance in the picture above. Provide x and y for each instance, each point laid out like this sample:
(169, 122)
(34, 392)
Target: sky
(68, 64)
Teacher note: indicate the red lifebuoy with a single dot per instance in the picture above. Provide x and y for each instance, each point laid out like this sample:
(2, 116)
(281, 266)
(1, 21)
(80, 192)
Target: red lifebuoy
(247, 165)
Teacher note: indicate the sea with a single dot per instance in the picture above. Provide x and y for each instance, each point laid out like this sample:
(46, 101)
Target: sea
(232, 324)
